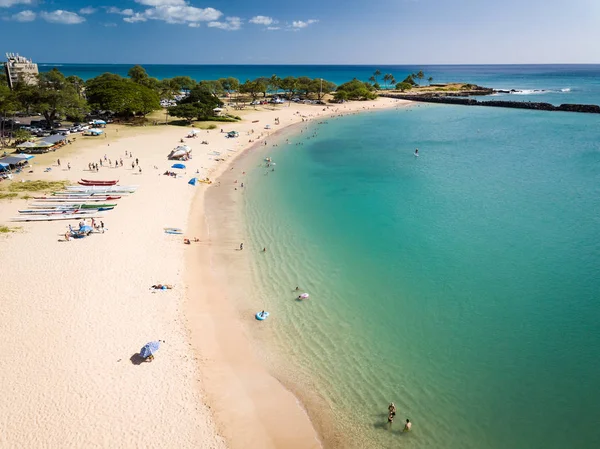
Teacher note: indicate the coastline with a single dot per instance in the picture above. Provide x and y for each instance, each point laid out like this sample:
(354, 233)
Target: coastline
(88, 302)
(248, 401)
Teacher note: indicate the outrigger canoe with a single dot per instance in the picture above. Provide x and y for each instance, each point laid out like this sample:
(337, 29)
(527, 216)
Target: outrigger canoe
(89, 182)
(53, 217)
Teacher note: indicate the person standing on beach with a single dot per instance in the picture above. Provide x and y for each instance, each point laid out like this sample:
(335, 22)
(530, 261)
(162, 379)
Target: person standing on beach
(69, 165)
(58, 162)
(241, 246)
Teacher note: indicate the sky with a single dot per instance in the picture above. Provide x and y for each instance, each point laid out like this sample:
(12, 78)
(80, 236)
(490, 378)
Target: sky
(302, 32)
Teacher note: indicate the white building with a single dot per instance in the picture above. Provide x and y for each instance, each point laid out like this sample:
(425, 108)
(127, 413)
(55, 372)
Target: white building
(19, 68)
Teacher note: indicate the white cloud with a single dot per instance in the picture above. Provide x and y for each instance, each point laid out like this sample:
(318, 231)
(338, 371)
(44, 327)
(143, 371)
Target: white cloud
(9, 3)
(301, 24)
(87, 10)
(230, 24)
(262, 20)
(24, 16)
(109, 25)
(137, 17)
(181, 14)
(61, 16)
(161, 2)
(273, 28)
(194, 25)
(123, 12)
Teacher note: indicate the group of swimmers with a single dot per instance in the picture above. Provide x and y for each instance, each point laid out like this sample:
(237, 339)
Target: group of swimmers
(392, 414)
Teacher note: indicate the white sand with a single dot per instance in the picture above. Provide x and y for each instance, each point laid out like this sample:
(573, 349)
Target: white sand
(72, 314)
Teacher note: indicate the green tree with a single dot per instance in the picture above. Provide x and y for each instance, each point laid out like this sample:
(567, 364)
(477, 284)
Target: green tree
(8, 106)
(430, 80)
(274, 83)
(251, 87)
(289, 84)
(187, 111)
(3, 78)
(53, 97)
(138, 74)
(203, 100)
(322, 87)
(356, 90)
(404, 86)
(231, 85)
(340, 95)
(183, 83)
(420, 76)
(410, 80)
(121, 96)
(387, 78)
(376, 75)
(77, 83)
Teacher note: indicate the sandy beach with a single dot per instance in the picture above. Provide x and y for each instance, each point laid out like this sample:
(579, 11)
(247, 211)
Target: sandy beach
(75, 314)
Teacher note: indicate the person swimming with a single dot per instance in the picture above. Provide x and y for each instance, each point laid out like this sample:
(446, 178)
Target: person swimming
(407, 426)
(417, 152)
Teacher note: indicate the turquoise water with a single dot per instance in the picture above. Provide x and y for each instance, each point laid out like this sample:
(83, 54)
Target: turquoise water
(463, 285)
(553, 83)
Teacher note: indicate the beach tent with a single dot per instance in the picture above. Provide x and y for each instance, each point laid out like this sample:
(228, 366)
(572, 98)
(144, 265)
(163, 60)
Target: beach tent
(177, 166)
(24, 156)
(94, 131)
(54, 139)
(217, 111)
(98, 122)
(194, 131)
(193, 181)
(27, 145)
(13, 160)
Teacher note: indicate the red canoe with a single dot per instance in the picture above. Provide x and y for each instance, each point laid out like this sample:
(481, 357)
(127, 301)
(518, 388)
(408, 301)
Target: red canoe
(88, 182)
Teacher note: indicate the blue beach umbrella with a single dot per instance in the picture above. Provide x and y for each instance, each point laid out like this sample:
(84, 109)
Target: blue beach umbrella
(149, 349)
(86, 228)
(193, 181)
(177, 166)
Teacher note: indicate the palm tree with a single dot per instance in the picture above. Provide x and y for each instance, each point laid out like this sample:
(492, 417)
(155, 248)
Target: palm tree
(430, 79)
(392, 80)
(376, 74)
(420, 75)
(373, 80)
(386, 78)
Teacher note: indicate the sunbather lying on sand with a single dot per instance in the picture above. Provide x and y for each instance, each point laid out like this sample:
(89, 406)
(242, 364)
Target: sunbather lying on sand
(162, 287)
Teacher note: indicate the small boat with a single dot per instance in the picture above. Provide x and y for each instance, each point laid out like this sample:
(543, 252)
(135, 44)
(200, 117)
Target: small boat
(78, 199)
(71, 205)
(55, 211)
(303, 296)
(53, 217)
(97, 183)
(60, 199)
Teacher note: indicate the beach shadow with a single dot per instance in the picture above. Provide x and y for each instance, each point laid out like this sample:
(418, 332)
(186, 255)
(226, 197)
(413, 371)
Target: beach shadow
(137, 359)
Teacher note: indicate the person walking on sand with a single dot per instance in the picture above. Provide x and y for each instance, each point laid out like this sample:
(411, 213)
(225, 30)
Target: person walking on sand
(407, 426)
(58, 162)
(69, 165)
(241, 246)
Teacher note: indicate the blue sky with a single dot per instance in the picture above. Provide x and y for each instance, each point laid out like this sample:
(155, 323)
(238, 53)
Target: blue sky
(306, 32)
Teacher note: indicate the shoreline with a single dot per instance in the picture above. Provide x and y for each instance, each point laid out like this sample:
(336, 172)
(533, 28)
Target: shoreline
(217, 316)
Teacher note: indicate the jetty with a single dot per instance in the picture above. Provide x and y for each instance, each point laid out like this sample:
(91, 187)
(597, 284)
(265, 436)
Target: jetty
(463, 97)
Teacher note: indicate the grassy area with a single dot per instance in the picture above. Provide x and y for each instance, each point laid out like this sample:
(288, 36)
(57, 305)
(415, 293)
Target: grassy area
(6, 229)
(37, 186)
(8, 195)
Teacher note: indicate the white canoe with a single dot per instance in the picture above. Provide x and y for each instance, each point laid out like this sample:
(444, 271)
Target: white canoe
(97, 189)
(53, 217)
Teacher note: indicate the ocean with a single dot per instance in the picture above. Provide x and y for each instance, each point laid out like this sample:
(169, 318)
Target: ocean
(554, 84)
(462, 285)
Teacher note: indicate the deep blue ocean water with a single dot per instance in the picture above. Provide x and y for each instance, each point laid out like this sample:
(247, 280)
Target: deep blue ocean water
(463, 285)
(557, 83)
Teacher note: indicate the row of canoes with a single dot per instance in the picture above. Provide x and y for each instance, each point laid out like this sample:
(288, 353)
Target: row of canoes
(76, 202)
